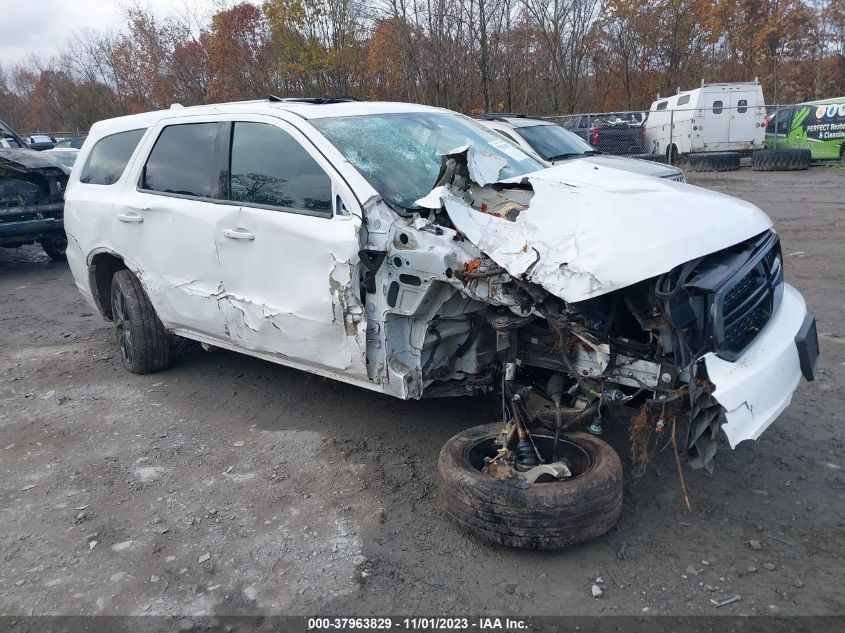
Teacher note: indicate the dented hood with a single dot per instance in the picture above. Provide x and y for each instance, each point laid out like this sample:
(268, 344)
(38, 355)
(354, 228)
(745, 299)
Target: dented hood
(24, 160)
(590, 229)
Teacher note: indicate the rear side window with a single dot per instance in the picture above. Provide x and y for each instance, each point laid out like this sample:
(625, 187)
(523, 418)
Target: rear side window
(186, 160)
(742, 106)
(717, 107)
(109, 156)
(270, 168)
(662, 105)
(683, 100)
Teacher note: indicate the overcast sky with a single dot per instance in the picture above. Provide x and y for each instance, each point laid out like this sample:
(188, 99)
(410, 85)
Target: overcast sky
(42, 26)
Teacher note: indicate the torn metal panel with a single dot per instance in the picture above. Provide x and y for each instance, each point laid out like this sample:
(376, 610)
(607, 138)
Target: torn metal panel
(589, 230)
(484, 167)
(293, 290)
(171, 249)
(758, 386)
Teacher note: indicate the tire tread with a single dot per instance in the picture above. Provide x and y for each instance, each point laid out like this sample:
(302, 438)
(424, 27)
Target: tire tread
(151, 344)
(542, 516)
(713, 162)
(781, 160)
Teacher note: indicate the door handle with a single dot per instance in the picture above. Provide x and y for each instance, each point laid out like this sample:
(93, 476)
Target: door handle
(238, 234)
(131, 218)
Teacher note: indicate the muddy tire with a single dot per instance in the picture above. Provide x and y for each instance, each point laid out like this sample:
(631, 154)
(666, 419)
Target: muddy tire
(541, 516)
(713, 161)
(655, 158)
(55, 248)
(143, 343)
(781, 160)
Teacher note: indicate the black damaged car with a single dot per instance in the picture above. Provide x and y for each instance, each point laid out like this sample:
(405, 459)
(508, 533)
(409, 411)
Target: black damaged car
(32, 186)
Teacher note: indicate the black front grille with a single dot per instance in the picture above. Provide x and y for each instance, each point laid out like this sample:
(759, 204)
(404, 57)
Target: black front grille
(743, 305)
(736, 295)
(742, 330)
(722, 301)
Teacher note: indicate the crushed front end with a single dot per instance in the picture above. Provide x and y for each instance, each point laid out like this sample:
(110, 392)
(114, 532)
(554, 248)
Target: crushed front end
(690, 340)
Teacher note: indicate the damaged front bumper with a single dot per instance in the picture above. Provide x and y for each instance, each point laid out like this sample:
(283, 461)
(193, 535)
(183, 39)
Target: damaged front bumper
(756, 387)
(22, 225)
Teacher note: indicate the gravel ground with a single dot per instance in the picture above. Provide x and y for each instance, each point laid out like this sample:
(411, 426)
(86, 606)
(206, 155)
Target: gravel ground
(229, 485)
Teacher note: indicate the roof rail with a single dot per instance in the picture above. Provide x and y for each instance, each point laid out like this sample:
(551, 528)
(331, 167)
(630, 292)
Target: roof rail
(313, 100)
(498, 116)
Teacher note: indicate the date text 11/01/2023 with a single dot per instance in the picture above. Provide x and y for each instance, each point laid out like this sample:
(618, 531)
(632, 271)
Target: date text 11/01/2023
(418, 624)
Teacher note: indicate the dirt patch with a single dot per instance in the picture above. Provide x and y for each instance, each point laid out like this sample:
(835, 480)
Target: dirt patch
(229, 485)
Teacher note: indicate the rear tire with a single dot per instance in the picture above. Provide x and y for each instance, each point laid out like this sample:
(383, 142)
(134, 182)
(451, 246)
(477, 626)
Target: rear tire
(56, 248)
(781, 160)
(144, 345)
(713, 162)
(671, 154)
(541, 516)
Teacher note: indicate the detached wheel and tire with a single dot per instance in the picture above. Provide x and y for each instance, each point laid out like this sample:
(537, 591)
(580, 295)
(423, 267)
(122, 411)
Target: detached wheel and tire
(781, 160)
(713, 161)
(145, 346)
(548, 515)
(55, 248)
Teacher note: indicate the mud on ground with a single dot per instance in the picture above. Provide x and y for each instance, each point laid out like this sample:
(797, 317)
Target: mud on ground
(229, 485)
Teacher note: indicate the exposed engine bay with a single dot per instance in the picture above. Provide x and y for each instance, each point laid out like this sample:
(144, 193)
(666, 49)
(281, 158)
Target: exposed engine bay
(480, 315)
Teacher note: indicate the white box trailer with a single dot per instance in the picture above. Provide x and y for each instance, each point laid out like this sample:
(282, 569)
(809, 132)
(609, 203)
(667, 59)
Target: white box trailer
(717, 117)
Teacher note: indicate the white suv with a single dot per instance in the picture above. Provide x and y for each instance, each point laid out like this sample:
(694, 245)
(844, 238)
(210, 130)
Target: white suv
(412, 251)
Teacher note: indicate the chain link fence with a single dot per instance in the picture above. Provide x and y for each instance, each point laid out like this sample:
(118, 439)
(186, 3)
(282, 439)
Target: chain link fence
(795, 132)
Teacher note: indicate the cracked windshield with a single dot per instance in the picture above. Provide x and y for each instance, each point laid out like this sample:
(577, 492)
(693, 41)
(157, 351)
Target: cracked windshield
(377, 144)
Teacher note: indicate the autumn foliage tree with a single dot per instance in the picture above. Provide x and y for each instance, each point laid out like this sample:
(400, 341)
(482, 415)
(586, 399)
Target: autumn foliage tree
(535, 56)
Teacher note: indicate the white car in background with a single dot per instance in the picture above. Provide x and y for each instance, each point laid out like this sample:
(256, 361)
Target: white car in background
(413, 251)
(65, 155)
(556, 145)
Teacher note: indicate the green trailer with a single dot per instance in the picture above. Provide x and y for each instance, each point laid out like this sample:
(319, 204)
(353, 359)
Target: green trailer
(816, 125)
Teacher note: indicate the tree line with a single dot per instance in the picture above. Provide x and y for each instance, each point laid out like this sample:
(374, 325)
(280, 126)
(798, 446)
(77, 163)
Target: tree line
(540, 57)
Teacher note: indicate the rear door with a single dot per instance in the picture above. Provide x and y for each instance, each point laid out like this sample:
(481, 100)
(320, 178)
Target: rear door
(165, 221)
(289, 252)
(744, 119)
(717, 123)
(102, 173)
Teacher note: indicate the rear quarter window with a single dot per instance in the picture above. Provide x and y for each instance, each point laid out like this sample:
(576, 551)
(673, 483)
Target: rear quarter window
(109, 156)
